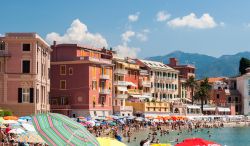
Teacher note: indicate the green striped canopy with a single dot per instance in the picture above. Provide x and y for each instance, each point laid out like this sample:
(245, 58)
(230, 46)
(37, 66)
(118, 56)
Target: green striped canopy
(59, 130)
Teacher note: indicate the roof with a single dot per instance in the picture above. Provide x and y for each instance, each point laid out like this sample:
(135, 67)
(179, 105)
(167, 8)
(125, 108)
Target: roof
(156, 65)
(215, 79)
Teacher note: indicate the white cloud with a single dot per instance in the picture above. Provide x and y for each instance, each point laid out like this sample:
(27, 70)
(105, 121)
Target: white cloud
(78, 33)
(134, 17)
(162, 16)
(191, 20)
(127, 35)
(143, 36)
(1, 35)
(125, 51)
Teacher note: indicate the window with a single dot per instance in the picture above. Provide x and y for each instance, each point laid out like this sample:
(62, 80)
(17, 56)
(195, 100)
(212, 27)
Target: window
(62, 84)
(218, 96)
(37, 67)
(236, 99)
(63, 70)
(102, 100)
(37, 95)
(70, 71)
(26, 47)
(249, 103)
(229, 99)
(25, 95)
(26, 66)
(2, 45)
(94, 85)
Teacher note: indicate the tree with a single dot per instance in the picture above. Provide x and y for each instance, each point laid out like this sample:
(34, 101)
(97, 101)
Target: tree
(191, 83)
(244, 63)
(202, 92)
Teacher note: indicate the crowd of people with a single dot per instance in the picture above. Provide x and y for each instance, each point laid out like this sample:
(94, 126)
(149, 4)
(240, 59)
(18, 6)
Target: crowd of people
(127, 132)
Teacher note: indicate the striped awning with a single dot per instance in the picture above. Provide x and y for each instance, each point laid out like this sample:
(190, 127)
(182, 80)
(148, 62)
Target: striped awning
(57, 129)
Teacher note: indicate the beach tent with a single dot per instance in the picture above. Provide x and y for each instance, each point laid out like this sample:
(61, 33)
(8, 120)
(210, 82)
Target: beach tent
(56, 129)
(106, 141)
(197, 142)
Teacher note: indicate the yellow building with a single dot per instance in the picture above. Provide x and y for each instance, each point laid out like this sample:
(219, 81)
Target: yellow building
(150, 108)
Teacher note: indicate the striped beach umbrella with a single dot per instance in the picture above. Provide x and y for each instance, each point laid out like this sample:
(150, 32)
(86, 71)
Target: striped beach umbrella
(57, 129)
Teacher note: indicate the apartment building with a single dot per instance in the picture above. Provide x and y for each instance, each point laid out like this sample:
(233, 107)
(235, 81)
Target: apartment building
(243, 86)
(163, 80)
(81, 82)
(185, 72)
(24, 73)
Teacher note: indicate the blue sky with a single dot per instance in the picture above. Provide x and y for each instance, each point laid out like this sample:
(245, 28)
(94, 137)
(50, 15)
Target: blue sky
(210, 27)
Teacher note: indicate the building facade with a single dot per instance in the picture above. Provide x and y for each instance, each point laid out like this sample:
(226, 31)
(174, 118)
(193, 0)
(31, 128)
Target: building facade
(81, 83)
(243, 86)
(24, 73)
(163, 80)
(185, 72)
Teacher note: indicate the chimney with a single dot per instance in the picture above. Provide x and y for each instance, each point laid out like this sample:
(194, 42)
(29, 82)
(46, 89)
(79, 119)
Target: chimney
(173, 62)
(54, 43)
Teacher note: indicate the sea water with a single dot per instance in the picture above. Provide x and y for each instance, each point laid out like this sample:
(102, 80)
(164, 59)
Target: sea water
(239, 136)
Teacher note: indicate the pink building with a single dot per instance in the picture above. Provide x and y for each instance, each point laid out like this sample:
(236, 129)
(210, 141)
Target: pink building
(81, 80)
(24, 73)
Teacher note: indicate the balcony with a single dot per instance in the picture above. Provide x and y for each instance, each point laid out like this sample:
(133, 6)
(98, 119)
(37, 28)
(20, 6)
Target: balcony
(121, 71)
(145, 84)
(122, 96)
(144, 72)
(120, 83)
(104, 77)
(134, 91)
(96, 60)
(105, 91)
(4, 53)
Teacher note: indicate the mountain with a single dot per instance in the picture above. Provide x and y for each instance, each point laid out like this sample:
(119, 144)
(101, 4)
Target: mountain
(207, 66)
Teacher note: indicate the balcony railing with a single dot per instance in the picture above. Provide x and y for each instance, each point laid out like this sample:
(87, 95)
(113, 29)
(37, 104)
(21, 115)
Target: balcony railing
(105, 91)
(170, 79)
(104, 77)
(144, 72)
(4, 53)
(121, 71)
(146, 84)
(120, 83)
(97, 60)
(122, 96)
(134, 91)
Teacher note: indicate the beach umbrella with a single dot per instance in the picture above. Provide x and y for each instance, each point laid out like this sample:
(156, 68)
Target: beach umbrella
(197, 142)
(56, 129)
(161, 144)
(10, 122)
(10, 118)
(130, 117)
(1, 120)
(31, 138)
(17, 131)
(112, 123)
(91, 123)
(106, 141)
(27, 118)
(28, 127)
(140, 119)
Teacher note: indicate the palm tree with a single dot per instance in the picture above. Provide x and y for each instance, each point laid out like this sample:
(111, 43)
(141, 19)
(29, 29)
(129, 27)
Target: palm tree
(202, 92)
(191, 83)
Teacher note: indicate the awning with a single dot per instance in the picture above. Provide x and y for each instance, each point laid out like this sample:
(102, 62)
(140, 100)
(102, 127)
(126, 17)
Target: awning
(122, 88)
(131, 84)
(223, 109)
(193, 107)
(141, 96)
(208, 108)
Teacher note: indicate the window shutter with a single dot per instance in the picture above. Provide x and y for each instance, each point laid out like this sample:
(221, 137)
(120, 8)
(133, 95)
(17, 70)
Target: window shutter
(20, 95)
(31, 95)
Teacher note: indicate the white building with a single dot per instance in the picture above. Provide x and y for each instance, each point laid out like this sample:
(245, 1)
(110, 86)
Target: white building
(243, 86)
(163, 79)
